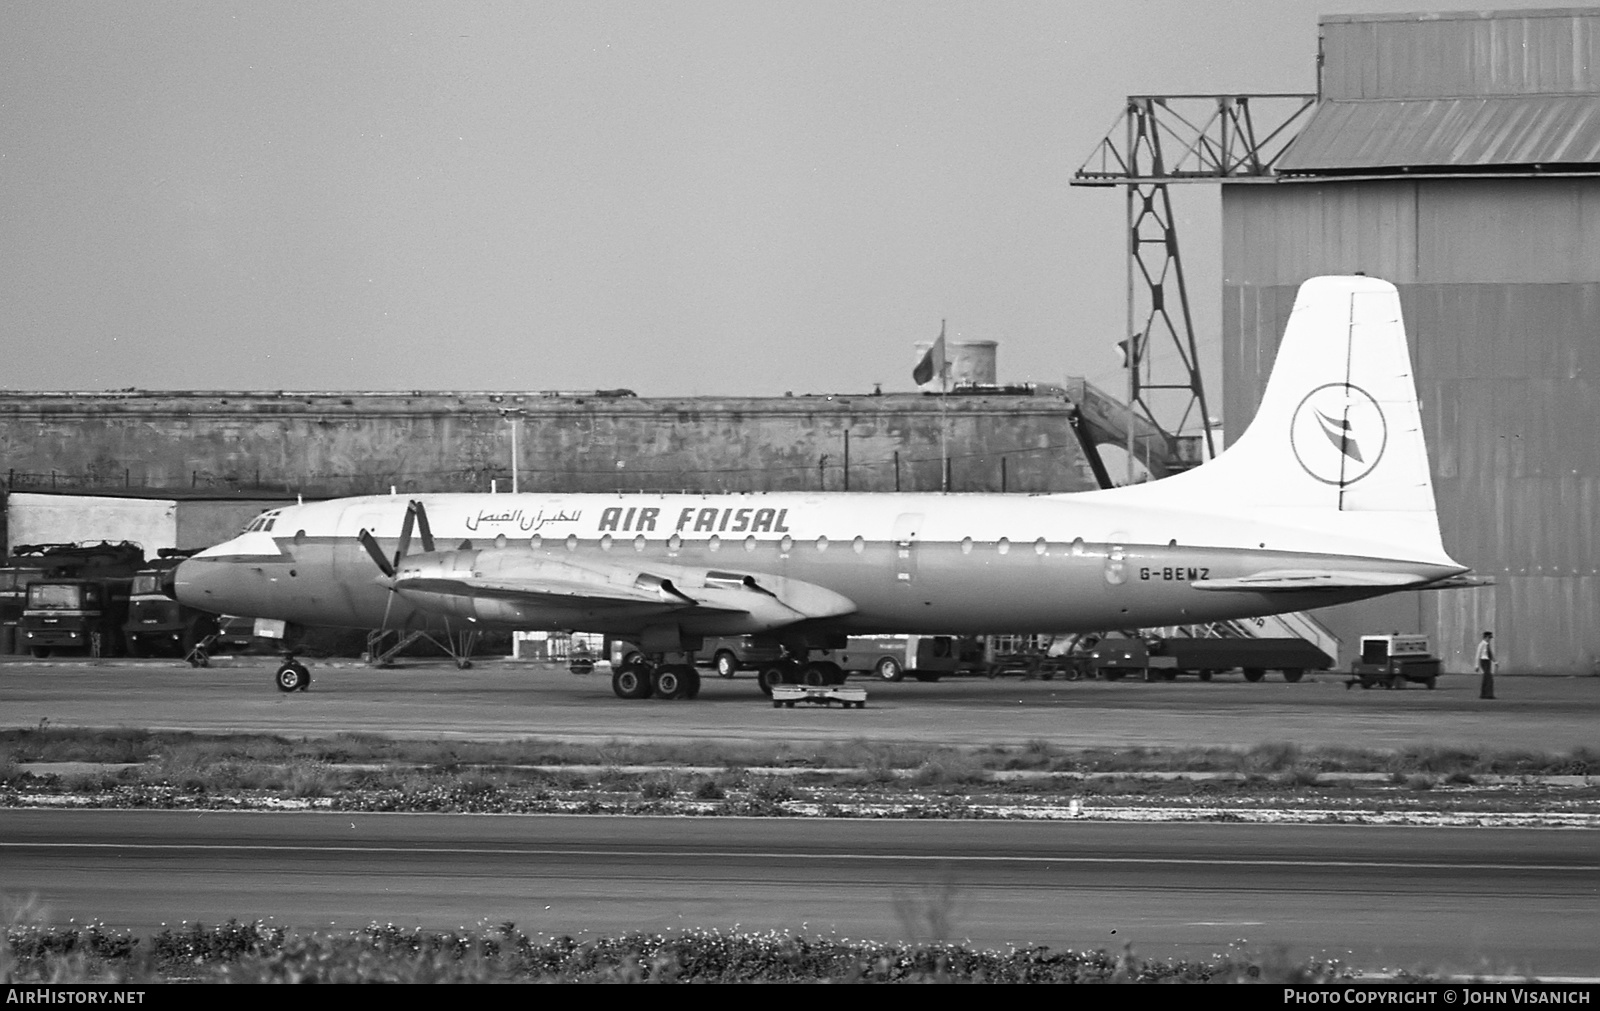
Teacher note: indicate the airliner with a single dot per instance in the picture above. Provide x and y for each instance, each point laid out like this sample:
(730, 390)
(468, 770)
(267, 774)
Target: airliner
(1326, 498)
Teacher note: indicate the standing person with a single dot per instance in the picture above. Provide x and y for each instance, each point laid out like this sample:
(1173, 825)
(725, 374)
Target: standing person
(1486, 663)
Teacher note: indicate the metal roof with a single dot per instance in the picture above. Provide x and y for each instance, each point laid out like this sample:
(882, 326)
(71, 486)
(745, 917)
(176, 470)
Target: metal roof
(1534, 52)
(1449, 133)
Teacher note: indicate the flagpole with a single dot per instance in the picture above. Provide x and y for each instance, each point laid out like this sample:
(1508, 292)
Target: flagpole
(944, 418)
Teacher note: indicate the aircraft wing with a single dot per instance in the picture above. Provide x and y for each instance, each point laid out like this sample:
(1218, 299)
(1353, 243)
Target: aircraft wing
(453, 580)
(541, 594)
(1282, 580)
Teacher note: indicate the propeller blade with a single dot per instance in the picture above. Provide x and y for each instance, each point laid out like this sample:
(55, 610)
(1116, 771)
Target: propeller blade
(371, 544)
(405, 534)
(423, 529)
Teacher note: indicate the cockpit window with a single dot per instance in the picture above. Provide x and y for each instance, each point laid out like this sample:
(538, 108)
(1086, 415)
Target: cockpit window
(263, 522)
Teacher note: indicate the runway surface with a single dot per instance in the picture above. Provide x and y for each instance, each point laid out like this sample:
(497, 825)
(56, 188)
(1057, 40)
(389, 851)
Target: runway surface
(498, 701)
(1475, 900)
(1462, 900)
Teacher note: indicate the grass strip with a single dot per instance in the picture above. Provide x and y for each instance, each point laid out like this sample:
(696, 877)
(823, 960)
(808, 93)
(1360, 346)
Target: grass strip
(255, 952)
(177, 751)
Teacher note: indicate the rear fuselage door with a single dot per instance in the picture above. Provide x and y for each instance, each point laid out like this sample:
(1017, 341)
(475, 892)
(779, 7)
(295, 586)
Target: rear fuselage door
(907, 531)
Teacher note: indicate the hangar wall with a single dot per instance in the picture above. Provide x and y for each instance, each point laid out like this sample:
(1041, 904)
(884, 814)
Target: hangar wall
(61, 519)
(1458, 155)
(1500, 286)
(152, 523)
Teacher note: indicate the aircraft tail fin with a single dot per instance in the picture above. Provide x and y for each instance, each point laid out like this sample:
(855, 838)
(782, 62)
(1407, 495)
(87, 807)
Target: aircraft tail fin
(1339, 429)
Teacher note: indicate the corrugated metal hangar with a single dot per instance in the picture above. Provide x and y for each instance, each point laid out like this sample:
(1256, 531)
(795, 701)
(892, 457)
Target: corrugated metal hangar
(1458, 155)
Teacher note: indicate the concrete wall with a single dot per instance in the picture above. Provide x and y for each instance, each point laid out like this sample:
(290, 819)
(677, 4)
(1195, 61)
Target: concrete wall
(268, 445)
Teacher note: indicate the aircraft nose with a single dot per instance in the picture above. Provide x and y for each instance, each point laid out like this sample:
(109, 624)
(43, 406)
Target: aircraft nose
(201, 583)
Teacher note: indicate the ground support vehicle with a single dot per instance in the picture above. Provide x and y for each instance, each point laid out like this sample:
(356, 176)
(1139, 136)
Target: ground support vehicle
(32, 562)
(1164, 659)
(845, 695)
(727, 655)
(157, 624)
(732, 654)
(1114, 659)
(77, 615)
(1044, 657)
(1208, 656)
(1393, 660)
(14, 581)
(938, 655)
(885, 657)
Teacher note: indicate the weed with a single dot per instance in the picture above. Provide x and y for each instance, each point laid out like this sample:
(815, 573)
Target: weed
(950, 769)
(658, 788)
(1298, 776)
(772, 790)
(1275, 756)
(709, 789)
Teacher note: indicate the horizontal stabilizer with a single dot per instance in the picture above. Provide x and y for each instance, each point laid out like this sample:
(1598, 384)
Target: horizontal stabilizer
(1461, 582)
(1280, 580)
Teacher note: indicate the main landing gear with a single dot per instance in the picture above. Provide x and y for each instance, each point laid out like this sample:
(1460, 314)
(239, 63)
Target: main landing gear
(643, 678)
(795, 669)
(292, 675)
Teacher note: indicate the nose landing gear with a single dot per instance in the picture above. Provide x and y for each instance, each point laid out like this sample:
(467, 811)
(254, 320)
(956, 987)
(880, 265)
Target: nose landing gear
(292, 675)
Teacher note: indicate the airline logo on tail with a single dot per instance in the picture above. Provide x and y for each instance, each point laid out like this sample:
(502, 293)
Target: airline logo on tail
(1338, 433)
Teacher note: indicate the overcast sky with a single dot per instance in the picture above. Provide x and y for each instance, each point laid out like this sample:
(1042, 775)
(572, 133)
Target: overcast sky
(718, 198)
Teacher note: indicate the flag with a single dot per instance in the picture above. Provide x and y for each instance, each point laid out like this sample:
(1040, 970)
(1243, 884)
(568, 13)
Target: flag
(932, 363)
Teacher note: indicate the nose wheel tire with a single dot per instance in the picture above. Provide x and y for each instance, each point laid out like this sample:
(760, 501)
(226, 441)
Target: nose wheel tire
(292, 677)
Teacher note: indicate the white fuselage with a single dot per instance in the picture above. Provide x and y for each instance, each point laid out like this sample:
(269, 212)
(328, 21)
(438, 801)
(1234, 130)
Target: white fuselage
(907, 563)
